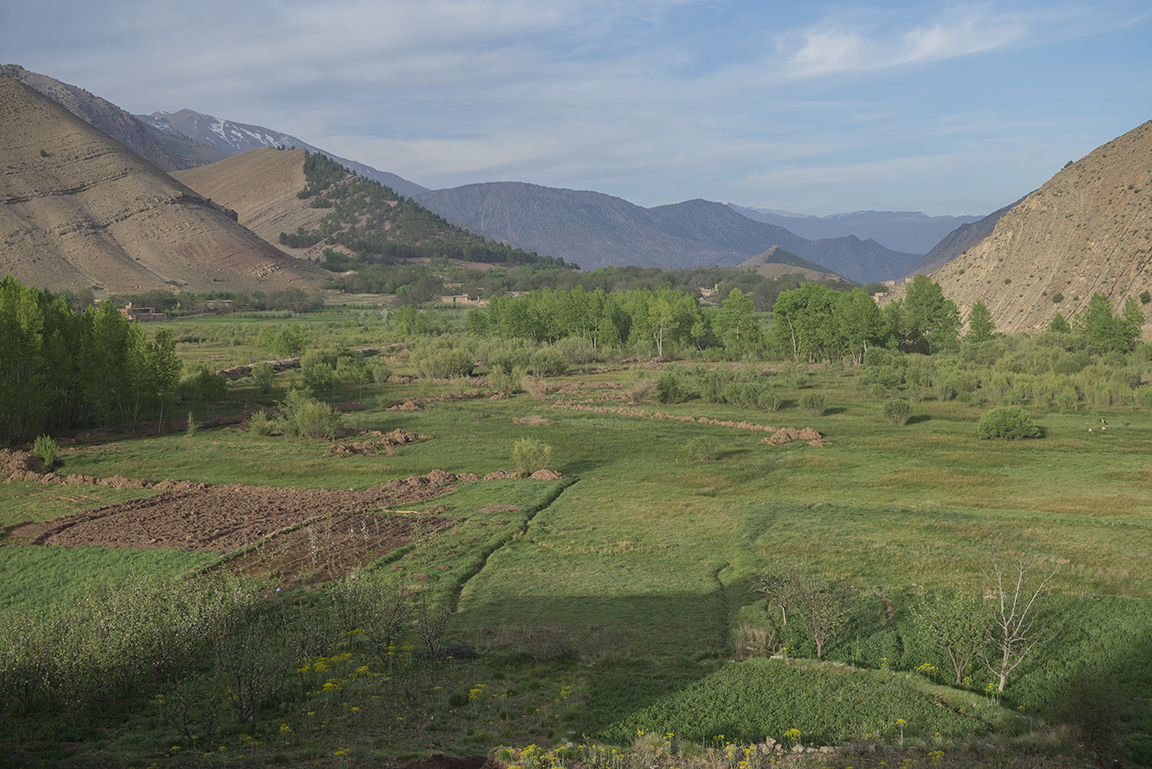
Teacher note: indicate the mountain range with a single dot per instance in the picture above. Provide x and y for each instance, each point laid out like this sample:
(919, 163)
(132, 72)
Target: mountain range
(907, 231)
(79, 209)
(185, 139)
(597, 230)
(232, 138)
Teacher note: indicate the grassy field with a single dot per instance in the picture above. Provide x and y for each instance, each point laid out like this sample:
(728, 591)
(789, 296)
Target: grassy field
(614, 606)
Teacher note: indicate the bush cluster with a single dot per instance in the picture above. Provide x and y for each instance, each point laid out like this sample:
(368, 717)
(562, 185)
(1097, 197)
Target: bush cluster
(1007, 422)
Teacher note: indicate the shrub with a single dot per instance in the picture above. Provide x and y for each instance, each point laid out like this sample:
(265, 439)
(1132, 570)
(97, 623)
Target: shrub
(767, 399)
(547, 362)
(640, 387)
(704, 449)
(1008, 422)
(319, 377)
(531, 455)
(260, 424)
(381, 371)
(671, 387)
(441, 364)
(304, 415)
(316, 420)
(897, 412)
(814, 404)
(45, 449)
(262, 375)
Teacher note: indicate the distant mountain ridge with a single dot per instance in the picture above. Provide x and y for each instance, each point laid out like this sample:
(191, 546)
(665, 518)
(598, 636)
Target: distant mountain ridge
(906, 231)
(958, 241)
(596, 230)
(234, 138)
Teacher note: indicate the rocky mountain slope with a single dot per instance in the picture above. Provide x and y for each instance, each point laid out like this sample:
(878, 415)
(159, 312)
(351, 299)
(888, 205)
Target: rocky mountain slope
(261, 186)
(79, 210)
(596, 230)
(231, 138)
(907, 231)
(1087, 230)
(169, 153)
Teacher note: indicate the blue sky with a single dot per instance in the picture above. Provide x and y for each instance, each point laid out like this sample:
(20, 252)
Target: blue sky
(810, 107)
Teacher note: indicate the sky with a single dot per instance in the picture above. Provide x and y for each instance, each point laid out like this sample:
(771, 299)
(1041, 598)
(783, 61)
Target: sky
(803, 106)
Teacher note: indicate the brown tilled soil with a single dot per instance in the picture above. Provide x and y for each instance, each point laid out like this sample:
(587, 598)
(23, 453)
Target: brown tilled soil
(328, 549)
(220, 518)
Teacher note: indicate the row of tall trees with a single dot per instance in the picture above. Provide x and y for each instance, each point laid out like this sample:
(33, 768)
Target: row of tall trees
(662, 317)
(60, 370)
(814, 323)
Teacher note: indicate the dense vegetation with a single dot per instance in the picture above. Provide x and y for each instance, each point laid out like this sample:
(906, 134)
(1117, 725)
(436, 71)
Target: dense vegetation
(635, 605)
(375, 224)
(60, 370)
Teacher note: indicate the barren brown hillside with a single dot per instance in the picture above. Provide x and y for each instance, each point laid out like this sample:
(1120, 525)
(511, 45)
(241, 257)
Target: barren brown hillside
(260, 186)
(1087, 230)
(79, 210)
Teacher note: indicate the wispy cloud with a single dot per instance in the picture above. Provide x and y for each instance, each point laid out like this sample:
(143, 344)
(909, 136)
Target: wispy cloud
(835, 47)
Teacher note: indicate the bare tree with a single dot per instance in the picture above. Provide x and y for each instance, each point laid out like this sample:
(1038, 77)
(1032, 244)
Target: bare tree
(1018, 586)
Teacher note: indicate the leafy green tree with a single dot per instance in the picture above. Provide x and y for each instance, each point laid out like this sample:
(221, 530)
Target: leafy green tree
(929, 318)
(805, 321)
(980, 325)
(736, 322)
(163, 369)
(858, 323)
(205, 388)
(959, 623)
(821, 607)
(1106, 331)
(24, 372)
(1059, 325)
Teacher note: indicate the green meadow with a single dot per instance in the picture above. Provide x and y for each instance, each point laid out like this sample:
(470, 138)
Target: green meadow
(618, 603)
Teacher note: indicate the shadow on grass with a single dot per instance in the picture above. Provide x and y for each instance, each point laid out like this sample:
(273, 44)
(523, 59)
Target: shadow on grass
(918, 419)
(632, 650)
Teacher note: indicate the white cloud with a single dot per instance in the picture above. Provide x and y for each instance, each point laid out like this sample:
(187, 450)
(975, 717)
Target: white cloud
(835, 47)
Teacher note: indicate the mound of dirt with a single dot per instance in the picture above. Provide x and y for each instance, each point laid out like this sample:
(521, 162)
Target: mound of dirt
(17, 462)
(790, 434)
(499, 475)
(382, 443)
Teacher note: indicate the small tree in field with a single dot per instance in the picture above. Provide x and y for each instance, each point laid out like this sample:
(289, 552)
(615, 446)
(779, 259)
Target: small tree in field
(814, 404)
(45, 449)
(821, 607)
(959, 623)
(897, 412)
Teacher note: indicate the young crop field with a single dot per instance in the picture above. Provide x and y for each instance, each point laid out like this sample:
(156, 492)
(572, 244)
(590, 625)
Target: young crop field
(418, 597)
